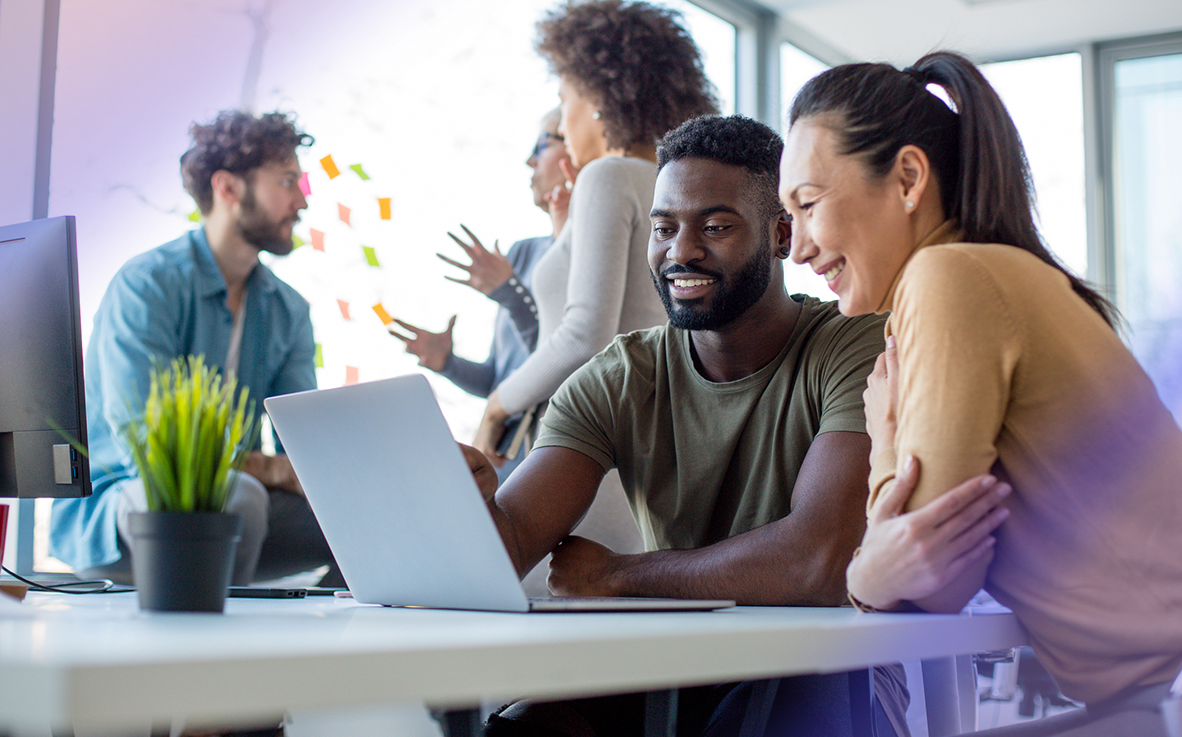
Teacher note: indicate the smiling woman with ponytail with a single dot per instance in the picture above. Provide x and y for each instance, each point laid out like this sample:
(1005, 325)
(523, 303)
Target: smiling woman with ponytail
(910, 192)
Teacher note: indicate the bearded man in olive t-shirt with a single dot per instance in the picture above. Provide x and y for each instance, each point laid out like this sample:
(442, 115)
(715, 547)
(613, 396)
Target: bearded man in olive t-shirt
(738, 432)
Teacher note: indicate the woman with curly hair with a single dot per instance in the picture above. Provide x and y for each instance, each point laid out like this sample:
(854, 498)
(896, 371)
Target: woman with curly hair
(628, 73)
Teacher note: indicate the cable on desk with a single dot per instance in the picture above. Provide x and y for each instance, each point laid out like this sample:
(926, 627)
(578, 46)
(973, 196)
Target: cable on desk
(95, 586)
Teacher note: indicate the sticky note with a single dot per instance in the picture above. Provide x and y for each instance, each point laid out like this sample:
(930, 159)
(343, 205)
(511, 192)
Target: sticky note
(343, 212)
(297, 241)
(330, 167)
(305, 186)
(351, 375)
(318, 359)
(195, 216)
(382, 314)
(371, 256)
(384, 206)
(317, 240)
(360, 172)
(344, 308)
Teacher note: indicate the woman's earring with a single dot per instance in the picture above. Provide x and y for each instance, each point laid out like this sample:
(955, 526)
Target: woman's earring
(595, 115)
(784, 251)
(910, 204)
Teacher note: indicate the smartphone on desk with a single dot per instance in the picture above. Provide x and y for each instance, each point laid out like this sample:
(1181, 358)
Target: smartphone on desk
(259, 592)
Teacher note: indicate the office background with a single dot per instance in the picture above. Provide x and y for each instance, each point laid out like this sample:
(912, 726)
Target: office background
(438, 103)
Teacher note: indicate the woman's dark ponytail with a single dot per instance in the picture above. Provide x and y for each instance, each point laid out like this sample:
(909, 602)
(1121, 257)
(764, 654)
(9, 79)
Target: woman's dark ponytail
(974, 147)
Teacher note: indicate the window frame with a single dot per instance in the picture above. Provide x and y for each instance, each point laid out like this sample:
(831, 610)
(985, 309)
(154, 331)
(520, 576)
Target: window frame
(1102, 191)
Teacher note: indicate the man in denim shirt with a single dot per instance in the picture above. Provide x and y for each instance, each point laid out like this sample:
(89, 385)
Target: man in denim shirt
(206, 293)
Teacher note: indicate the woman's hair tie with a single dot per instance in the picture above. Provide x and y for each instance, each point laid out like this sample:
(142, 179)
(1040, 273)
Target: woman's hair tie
(934, 88)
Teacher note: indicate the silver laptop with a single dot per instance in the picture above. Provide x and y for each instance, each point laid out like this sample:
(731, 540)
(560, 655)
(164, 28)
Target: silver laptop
(399, 507)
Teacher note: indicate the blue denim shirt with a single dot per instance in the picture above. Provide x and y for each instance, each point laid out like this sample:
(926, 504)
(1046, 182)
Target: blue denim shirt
(169, 302)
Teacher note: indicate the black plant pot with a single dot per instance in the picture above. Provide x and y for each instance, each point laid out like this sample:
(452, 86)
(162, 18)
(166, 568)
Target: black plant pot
(182, 561)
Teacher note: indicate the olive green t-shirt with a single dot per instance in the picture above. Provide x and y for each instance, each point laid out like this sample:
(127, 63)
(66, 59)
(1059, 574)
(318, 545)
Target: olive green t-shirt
(702, 461)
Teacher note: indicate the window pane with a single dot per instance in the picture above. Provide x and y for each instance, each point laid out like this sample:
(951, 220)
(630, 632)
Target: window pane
(716, 40)
(796, 68)
(1045, 99)
(1148, 179)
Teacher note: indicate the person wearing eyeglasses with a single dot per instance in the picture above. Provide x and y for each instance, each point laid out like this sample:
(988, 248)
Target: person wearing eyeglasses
(504, 278)
(628, 73)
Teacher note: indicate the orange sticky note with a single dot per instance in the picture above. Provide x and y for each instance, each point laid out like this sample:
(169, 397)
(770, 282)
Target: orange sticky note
(330, 167)
(384, 206)
(343, 212)
(344, 308)
(317, 239)
(351, 375)
(382, 314)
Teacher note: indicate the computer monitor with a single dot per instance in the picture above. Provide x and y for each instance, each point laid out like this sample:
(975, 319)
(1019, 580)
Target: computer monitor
(41, 384)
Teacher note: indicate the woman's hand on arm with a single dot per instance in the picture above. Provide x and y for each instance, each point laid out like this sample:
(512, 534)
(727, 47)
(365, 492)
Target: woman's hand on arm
(881, 399)
(558, 199)
(915, 556)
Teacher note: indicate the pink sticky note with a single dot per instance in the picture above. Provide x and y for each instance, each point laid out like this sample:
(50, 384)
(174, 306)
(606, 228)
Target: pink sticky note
(344, 213)
(351, 375)
(317, 239)
(305, 187)
(344, 308)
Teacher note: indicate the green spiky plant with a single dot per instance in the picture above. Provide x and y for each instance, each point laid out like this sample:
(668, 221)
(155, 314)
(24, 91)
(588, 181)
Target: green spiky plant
(191, 435)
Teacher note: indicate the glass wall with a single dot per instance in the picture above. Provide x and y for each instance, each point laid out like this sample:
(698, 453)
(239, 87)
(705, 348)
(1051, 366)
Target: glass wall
(716, 39)
(1147, 222)
(1045, 98)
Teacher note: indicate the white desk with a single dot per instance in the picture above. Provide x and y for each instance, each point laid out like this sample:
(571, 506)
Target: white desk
(96, 661)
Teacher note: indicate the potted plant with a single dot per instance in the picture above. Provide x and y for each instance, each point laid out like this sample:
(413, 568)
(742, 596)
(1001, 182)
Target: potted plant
(192, 433)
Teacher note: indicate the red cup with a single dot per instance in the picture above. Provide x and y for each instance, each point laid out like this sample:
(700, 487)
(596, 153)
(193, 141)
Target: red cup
(3, 527)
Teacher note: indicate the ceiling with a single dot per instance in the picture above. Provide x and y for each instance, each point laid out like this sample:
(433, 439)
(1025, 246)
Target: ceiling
(900, 31)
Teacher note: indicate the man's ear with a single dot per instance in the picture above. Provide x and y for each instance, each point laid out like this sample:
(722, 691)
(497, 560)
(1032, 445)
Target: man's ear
(228, 188)
(913, 171)
(783, 234)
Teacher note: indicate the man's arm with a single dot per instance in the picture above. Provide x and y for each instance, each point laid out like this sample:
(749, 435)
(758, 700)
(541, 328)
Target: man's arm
(541, 502)
(798, 560)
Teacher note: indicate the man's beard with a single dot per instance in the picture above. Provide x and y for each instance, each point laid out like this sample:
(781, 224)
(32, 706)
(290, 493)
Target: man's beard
(260, 232)
(732, 297)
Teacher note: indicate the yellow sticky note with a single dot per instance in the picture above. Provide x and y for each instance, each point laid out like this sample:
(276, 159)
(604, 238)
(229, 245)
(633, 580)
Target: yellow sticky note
(195, 216)
(382, 314)
(360, 172)
(297, 241)
(352, 375)
(318, 359)
(330, 167)
(371, 256)
(343, 212)
(384, 206)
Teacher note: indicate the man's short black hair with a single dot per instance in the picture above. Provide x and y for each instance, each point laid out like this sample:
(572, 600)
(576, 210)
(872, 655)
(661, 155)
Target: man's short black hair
(237, 142)
(736, 140)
